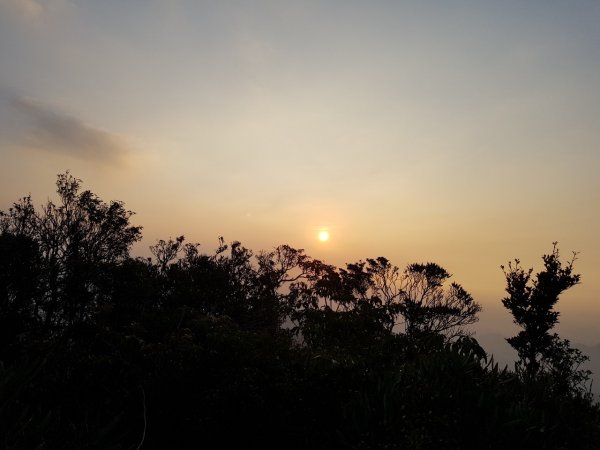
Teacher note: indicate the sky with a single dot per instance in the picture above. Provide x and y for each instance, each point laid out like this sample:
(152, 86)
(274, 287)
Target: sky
(465, 133)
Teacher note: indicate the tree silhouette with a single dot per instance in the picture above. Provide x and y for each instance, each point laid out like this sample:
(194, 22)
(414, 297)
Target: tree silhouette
(233, 349)
(374, 297)
(20, 289)
(428, 308)
(531, 301)
(75, 239)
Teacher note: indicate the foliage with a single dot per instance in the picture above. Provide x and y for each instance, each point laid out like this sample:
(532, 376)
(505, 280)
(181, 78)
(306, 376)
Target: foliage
(71, 243)
(427, 308)
(101, 350)
(531, 302)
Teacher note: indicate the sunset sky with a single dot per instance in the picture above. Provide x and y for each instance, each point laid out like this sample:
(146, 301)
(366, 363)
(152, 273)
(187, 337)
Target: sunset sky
(461, 132)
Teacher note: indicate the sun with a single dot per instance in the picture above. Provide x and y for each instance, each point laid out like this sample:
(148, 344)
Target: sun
(323, 235)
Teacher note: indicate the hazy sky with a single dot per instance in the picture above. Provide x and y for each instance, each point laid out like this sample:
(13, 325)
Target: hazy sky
(461, 132)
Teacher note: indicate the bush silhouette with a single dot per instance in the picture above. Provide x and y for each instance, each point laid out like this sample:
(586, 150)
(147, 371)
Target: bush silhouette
(102, 350)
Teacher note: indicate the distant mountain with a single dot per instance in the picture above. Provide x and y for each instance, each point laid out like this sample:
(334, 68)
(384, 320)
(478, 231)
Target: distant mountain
(495, 344)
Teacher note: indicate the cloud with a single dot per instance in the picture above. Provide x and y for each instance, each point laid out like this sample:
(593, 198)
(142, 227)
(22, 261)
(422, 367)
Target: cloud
(28, 9)
(32, 11)
(42, 127)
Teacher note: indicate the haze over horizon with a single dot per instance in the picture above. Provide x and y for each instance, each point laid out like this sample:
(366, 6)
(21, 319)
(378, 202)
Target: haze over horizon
(466, 134)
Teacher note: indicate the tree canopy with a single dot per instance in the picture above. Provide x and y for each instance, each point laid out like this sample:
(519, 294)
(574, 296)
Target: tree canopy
(531, 301)
(187, 349)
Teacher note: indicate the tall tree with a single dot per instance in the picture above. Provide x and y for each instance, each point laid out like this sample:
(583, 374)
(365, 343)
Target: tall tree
(75, 238)
(531, 301)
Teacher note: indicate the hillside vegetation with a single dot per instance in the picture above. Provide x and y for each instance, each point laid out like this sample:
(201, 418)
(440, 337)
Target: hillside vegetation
(102, 350)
